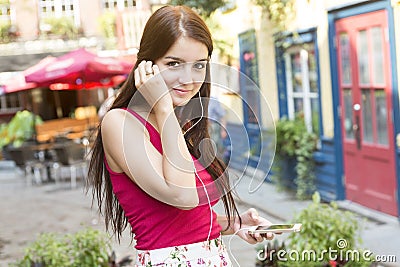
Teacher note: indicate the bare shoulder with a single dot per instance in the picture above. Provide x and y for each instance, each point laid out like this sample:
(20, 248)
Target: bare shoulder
(118, 120)
(113, 117)
(118, 130)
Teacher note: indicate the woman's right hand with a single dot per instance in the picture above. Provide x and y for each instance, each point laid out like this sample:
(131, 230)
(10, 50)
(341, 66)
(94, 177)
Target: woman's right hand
(151, 85)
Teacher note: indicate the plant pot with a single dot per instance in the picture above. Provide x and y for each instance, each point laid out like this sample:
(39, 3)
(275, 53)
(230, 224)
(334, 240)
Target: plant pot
(287, 172)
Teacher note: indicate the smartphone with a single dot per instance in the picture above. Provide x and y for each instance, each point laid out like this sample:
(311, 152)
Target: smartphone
(275, 228)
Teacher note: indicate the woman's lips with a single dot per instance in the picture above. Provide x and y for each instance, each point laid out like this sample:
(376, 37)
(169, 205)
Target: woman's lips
(179, 91)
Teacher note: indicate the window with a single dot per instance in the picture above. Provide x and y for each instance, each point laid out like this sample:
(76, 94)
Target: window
(117, 4)
(59, 9)
(302, 85)
(7, 13)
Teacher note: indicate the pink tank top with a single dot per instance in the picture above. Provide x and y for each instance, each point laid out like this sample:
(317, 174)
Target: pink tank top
(158, 225)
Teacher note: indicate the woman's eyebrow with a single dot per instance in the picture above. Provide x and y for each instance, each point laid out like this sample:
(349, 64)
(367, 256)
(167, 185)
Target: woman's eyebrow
(181, 60)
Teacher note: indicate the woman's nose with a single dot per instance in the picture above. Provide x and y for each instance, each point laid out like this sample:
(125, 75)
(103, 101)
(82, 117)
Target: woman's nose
(186, 75)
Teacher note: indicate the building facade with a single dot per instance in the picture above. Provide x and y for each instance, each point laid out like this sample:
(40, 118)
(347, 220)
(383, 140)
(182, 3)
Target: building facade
(336, 65)
(34, 29)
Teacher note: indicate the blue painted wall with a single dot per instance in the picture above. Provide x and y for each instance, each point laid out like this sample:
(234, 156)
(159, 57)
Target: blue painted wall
(325, 170)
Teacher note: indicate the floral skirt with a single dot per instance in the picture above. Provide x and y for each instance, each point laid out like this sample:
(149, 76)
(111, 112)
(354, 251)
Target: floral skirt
(206, 253)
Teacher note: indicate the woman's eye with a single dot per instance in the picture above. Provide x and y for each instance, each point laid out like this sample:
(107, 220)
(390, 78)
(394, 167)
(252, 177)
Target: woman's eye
(173, 64)
(199, 65)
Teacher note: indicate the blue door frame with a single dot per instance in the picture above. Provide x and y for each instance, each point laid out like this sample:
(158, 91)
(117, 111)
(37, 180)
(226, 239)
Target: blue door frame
(344, 12)
(249, 82)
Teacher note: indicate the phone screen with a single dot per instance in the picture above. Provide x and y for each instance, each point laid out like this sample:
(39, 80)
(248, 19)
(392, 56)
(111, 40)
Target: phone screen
(275, 227)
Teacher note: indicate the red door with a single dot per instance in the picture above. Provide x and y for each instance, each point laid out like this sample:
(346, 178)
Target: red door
(366, 111)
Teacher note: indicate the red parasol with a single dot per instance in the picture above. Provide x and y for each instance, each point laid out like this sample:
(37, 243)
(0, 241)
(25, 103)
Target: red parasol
(113, 81)
(15, 84)
(79, 69)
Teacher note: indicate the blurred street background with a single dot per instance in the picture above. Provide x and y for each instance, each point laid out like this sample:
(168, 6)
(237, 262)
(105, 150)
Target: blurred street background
(305, 98)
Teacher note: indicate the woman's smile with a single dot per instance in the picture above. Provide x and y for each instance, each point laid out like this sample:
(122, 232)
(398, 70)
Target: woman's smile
(181, 92)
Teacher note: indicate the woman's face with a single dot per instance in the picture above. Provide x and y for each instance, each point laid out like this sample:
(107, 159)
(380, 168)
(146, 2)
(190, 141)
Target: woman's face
(183, 69)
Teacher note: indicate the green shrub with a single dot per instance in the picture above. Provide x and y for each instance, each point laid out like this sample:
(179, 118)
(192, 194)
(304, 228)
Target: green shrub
(86, 248)
(327, 234)
(108, 27)
(63, 27)
(295, 143)
(6, 34)
(19, 129)
(107, 24)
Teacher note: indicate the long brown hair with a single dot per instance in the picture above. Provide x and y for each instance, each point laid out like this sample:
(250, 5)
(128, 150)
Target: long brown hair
(163, 28)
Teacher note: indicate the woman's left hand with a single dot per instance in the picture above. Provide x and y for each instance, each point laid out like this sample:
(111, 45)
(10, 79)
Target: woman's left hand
(251, 218)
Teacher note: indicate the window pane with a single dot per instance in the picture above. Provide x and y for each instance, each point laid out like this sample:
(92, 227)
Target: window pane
(348, 113)
(381, 117)
(298, 105)
(315, 115)
(345, 58)
(296, 72)
(367, 116)
(377, 54)
(312, 71)
(362, 55)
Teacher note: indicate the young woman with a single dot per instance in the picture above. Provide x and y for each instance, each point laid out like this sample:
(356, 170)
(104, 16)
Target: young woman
(160, 177)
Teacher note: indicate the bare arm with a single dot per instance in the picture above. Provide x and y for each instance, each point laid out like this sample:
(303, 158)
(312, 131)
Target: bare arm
(169, 179)
(223, 222)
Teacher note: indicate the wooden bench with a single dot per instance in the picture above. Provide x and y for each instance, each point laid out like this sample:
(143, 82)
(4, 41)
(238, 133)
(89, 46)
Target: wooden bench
(49, 130)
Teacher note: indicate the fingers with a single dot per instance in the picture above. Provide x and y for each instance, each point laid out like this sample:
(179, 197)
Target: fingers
(143, 72)
(148, 68)
(268, 236)
(156, 70)
(253, 214)
(258, 237)
(251, 239)
(138, 83)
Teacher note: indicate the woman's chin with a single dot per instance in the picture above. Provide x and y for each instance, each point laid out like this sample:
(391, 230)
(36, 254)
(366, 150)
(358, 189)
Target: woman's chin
(179, 102)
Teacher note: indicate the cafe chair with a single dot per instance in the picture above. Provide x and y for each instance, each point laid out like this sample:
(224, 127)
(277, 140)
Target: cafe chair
(71, 156)
(27, 160)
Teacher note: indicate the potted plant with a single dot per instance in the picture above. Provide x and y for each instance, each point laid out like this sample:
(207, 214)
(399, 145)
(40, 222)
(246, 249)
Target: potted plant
(328, 238)
(293, 166)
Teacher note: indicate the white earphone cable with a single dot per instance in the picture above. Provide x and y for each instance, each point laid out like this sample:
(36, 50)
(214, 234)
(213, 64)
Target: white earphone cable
(202, 114)
(208, 197)
(195, 171)
(229, 244)
(209, 205)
